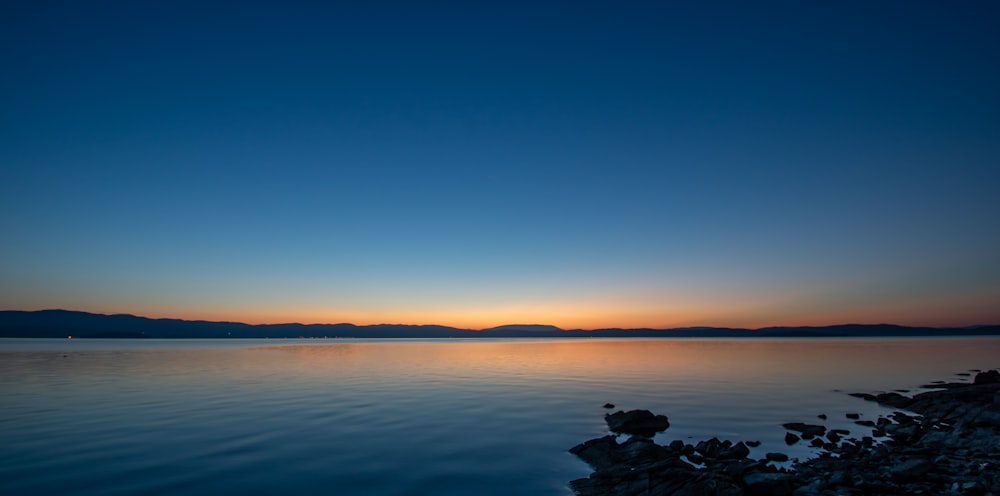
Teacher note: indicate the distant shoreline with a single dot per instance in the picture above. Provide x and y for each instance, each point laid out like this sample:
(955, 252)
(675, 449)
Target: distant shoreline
(67, 323)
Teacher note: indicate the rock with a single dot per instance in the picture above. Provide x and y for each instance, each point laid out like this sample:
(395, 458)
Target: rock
(944, 443)
(822, 416)
(853, 416)
(609, 405)
(640, 450)
(911, 469)
(790, 438)
(814, 488)
(709, 448)
(709, 486)
(738, 451)
(894, 400)
(753, 444)
(767, 484)
(637, 422)
(776, 457)
(736, 468)
(988, 377)
(806, 429)
(864, 396)
(600, 453)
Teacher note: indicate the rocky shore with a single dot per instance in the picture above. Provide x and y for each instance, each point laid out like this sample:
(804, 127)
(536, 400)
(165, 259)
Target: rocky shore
(943, 441)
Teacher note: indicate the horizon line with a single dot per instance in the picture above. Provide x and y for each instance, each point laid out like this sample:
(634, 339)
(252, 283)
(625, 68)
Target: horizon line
(503, 325)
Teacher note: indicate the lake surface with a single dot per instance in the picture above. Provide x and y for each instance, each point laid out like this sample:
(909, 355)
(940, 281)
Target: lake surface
(400, 417)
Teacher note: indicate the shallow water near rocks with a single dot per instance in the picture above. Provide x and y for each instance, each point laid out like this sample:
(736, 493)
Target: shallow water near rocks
(394, 417)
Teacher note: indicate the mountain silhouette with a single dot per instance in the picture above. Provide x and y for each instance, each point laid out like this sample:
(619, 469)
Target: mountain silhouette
(63, 323)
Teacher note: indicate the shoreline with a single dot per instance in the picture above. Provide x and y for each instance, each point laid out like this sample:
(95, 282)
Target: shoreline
(942, 441)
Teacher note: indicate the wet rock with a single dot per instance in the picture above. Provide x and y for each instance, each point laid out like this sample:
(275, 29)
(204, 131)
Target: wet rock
(768, 484)
(810, 430)
(988, 377)
(945, 442)
(609, 405)
(736, 468)
(853, 416)
(776, 457)
(893, 399)
(709, 448)
(790, 438)
(600, 453)
(911, 469)
(636, 422)
(736, 452)
(822, 416)
(753, 444)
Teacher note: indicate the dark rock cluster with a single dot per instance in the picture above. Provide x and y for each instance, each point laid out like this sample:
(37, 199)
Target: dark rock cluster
(947, 442)
(636, 422)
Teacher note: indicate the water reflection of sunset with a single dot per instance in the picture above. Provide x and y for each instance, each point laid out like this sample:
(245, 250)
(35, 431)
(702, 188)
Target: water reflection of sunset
(591, 359)
(824, 361)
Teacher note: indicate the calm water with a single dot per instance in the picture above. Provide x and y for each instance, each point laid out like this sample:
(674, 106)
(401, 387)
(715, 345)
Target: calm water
(411, 417)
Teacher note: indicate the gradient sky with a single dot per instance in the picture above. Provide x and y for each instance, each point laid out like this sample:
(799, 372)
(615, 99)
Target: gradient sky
(582, 164)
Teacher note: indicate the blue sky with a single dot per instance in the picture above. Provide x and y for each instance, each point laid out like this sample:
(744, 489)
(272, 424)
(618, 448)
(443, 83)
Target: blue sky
(579, 164)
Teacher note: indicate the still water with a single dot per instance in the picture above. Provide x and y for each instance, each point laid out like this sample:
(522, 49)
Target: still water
(401, 417)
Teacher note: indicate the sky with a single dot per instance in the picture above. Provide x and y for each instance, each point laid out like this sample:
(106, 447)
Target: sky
(580, 164)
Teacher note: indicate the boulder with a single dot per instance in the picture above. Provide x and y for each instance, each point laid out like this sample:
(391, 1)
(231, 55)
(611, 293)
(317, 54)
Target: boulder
(636, 422)
(767, 484)
(893, 399)
(776, 457)
(988, 377)
(738, 451)
(912, 469)
(790, 438)
(944, 444)
(601, 453)
(807, 430)
(709, 448)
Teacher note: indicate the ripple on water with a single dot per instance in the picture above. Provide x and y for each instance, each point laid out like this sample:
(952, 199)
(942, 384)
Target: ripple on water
(393, 418)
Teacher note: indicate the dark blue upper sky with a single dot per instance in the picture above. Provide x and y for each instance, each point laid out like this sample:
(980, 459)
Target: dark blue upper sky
(581, 164)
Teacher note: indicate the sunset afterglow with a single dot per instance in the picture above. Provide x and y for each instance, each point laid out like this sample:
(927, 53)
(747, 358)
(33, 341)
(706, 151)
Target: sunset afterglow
(580, 165)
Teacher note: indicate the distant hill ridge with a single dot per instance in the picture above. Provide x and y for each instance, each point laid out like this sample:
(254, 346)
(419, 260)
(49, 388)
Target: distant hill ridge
(63, 323)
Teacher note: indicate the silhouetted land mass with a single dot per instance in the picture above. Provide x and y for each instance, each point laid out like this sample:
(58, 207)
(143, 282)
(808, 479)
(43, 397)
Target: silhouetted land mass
(62, 323)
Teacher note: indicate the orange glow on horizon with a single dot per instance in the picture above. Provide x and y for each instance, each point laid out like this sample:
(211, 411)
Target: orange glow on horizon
(587, 317)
